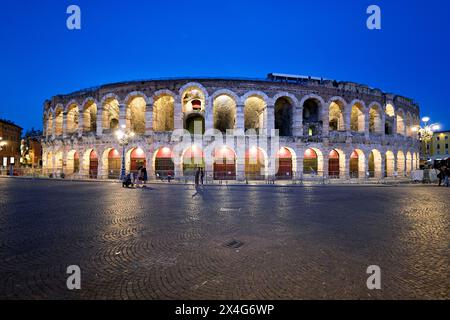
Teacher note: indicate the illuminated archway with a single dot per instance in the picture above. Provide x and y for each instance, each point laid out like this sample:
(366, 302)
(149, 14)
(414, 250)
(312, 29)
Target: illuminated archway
(224, 110)
(73, 116)
(110, 116)
(192, 158)
(255, 164)
(73, 162)
(285, 164)
(254, 113)
(90, 164)
(401, 129)
(357, 164)
(113, 163)
(357, 118)
(135, 160)
(375, 119)
(163, 113)
(336, 116)
(390, 164)
(224, 164)
(135, 115)
(90, 117)
(59, 118)
(313, 161)
(163, 162)
(375, 164)
(193, 99)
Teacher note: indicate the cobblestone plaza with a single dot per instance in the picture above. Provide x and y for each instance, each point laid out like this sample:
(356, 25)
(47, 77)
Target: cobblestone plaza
(237, 242)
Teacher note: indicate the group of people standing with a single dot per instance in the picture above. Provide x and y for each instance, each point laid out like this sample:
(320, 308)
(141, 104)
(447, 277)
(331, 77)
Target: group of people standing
(444, 176)
(138, 178)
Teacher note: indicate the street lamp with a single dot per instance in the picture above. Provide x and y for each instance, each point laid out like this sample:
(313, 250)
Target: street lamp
(123, 137)
(426, 132)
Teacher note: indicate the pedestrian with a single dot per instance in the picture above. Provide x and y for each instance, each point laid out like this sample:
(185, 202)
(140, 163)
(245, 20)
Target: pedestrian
(202, 175)
(441, 174)
(169, 176)
(139, 177)
(144, 176)
(197, 176)
(447, 177)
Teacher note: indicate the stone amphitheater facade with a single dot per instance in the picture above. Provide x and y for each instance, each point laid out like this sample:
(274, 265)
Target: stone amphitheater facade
(326, 128)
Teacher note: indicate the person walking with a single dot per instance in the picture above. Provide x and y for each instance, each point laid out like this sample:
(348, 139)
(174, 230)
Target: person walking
(447, 177)
(144, 177)
(139, 177)
(197, 176)
(441, 175)
(202, 175)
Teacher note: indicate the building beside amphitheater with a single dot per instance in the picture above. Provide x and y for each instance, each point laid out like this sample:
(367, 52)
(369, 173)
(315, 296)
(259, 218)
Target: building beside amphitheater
(326, 128)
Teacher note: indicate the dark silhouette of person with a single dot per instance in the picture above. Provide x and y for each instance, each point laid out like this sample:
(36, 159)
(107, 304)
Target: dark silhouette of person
(197, 176)
(202, 175)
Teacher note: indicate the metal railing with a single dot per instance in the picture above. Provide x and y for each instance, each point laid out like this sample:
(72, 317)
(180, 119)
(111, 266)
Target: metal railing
(218, 177)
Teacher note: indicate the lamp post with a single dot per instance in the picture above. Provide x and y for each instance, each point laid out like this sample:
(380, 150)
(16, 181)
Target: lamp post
(426, 132)
(124, 138)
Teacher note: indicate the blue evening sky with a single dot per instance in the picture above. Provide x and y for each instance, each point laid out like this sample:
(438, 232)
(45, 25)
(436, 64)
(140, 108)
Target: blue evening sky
(129, 40)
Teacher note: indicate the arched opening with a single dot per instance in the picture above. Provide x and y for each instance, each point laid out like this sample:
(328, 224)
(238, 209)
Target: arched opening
(59, 162)
(73, 116)
(285, 169)
(59, 118)
(311, 117)
(193, 100)
(408, 163)
(375, 164)
(357, 164)
(110, 116)
(192, 159)
(357, 118)
(135, 115)
(255, 164)
(73, 162)
(336, 116)
(224, 113)
(310, 162)
(375, 120)
(163, 163)
(390, 116)
(163, 113)
(334, 165)
(401, 123)
(409, 125)
(390, 164)
(137, 160)
(224, 164)
(114, 164)
(195, 123)
(283, 116)
(90, 117)
(254, 113)
(93, 164)
(401, 163)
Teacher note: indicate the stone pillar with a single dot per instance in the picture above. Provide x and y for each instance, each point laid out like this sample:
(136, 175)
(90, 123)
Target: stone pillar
(80, 125)
(346, 173)
(326, 158)
(269, 123)
(383, 166)
(240, 117)
(64, 125)
(122, 115)
(54, 128)
(326, 121)
(366, 125)
(99, 122)
(348, 117)
(178, 114)
(297, 123)
(300, 157)
(209, 115)
(149, 119)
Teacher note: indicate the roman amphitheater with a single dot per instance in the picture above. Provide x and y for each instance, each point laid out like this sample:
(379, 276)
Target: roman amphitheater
(336, 130)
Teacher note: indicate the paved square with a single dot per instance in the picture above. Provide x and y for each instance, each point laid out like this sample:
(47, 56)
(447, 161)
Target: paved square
(169, 243)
